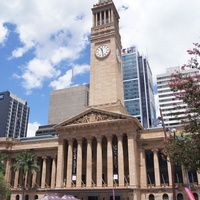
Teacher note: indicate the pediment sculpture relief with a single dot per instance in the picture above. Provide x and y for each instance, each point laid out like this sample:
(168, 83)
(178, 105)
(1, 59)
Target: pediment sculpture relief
(94, 117)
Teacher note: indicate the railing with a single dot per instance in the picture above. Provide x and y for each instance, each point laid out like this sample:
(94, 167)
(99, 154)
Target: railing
(104, 183)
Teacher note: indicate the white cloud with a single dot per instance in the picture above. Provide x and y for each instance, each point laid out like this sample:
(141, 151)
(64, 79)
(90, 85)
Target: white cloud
(19, 52)
(63, 81)
(3, 33)
(67, 79)
(32, 128)
(80, 69)
(56, 32)
(162, 30)
(36, 71)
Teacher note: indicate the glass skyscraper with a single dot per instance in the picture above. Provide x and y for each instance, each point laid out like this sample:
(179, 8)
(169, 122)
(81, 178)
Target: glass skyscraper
(138, 87)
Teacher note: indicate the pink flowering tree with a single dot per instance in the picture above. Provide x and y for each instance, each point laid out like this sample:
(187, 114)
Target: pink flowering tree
(184, 148)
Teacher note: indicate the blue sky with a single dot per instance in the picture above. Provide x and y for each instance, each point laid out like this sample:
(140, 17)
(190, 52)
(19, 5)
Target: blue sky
(41, 41)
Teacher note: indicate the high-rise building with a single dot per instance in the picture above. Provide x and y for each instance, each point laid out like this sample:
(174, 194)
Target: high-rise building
(64, 104)
(14, 114)
(168, 103)
(68, 102)
(138, 87)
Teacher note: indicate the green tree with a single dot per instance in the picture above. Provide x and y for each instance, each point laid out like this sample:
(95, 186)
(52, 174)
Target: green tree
(4, 188)
(3, 156)
(184, 149)
(26, 162)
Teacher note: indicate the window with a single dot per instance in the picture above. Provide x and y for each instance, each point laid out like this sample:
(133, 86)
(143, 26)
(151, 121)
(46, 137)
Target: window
(165, 197)
(151, 197)
(1, 96)
(196, 196)
(150, 167)
(179, 196)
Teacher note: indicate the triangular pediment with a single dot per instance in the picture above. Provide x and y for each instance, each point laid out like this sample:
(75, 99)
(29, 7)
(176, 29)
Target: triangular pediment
(93, 115)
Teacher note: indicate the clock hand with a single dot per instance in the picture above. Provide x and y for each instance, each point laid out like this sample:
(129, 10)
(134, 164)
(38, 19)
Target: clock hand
(102, 50)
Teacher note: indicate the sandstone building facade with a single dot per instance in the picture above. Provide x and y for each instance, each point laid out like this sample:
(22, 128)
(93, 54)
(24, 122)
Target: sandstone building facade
(102, 153)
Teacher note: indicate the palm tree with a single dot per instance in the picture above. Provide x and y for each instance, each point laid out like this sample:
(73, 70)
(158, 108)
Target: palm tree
(26, 162)
(3, 156)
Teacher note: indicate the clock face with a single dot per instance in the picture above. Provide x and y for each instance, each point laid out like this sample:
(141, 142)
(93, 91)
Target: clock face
(102, 51)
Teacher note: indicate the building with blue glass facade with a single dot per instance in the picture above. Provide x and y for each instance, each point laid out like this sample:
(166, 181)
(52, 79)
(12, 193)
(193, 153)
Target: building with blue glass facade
(138, 87)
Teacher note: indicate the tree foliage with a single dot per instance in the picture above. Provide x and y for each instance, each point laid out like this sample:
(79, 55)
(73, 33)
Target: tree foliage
(3, 156)
(4, 188)
(184, 149)
(26, 162)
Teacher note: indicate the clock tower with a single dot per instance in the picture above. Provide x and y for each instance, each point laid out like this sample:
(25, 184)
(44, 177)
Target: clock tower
(106, 79)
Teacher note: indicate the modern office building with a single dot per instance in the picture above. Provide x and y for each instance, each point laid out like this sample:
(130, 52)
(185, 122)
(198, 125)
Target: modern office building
(167, 101)
(102, 153)
(64, 104)
(14, 114)
(138, 87)
(68, 102)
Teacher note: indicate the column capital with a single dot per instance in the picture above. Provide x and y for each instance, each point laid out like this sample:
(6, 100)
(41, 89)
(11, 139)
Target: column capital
(79, 139)
(70, 141)
(120, 136)
(155, 150)
(109, 137)
(44, 157)
(54, 157)
(131, 135)
(99, 138)
(89, 139)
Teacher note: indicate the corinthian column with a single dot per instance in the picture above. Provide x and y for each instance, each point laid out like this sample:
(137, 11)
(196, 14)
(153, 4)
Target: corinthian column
(44, 171)
(132, 160)
(60, 165)
(99, 161)
(34, 179)
(69, 163)
(169, 169)
(109, 162)
(79, 163)
(89, 163)
(143, 170)
(16, 179)
(8, 173)
(156, 167)
(53, 173)
(120, 161)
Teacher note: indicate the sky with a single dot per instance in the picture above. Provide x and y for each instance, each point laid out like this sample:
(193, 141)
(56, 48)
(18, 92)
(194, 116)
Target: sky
(41, 41)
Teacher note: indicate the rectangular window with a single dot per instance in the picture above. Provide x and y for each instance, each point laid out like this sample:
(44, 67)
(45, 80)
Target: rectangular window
(1, 96)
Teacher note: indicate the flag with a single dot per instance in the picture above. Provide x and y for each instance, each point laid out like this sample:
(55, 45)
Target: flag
(189, 193)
